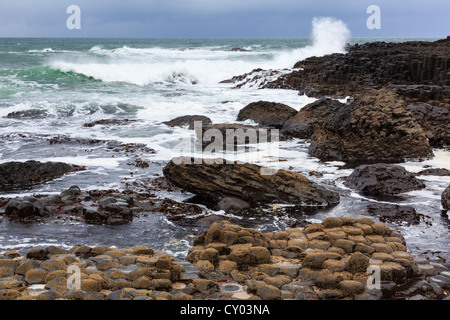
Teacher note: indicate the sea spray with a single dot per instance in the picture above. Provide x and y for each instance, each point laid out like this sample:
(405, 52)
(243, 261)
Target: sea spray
(329, 35)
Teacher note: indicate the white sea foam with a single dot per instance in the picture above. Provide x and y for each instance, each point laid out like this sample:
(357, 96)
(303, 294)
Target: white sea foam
(144, 66)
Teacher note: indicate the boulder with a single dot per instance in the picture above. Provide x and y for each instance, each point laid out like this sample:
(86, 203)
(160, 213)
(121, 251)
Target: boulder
(20, 175)
(266, 113)
(393, 213)
(445, 198)
(376, 127)
(233, 134)
(302, 124)
(245, 181)
(383, 180)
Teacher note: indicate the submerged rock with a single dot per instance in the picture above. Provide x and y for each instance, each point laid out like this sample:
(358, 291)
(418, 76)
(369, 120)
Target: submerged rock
(266, 113)
(247, 182)
(383, 180)
(376, 127)
(19, 175)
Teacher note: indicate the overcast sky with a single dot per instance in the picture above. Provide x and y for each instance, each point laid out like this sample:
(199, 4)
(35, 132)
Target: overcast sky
(219, 18)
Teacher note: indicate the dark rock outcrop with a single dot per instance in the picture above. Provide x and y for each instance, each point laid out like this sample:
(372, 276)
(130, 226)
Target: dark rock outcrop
(393, 213)
(27, 114)
(108, 122)
(383, 180)
(19, 175)
(249, 182)
(376, 127)
(435, 121)
(188, 121)
(416, 70)
(302, 124)
(71, 202)
(434, 172)
(233, 135)
(266, 113)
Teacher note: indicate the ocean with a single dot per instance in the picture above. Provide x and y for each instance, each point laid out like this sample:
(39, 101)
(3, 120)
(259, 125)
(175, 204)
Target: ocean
(49, 88)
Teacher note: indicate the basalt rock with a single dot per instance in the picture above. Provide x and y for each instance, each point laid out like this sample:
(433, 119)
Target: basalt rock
(19, 175)
(393, 213)
(376, 127)
(383, 180)
(302, 124)
(416, 70)
(266, 113)
(249, 182)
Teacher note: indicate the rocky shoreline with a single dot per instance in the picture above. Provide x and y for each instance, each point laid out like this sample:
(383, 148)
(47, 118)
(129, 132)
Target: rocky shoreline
(393, 108)
(327, 260)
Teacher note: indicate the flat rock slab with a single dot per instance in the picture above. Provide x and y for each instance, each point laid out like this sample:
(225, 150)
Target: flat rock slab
(246, 181)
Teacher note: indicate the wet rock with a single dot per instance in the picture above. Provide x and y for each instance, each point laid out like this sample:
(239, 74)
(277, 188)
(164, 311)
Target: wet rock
(239, 50)
(302, 124)
(27, 114)
(233, 136)
(232, 205)
(393, 213)
(445, 198)
(189, 121)
(435, 121)
(20, 175)
(266, 113)
(376, 127)
(383, 180)
(111, 211)
(247, 182)
(23, 209)
(71, 195)
(177, 211)
(108, 122)
(434, 172)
